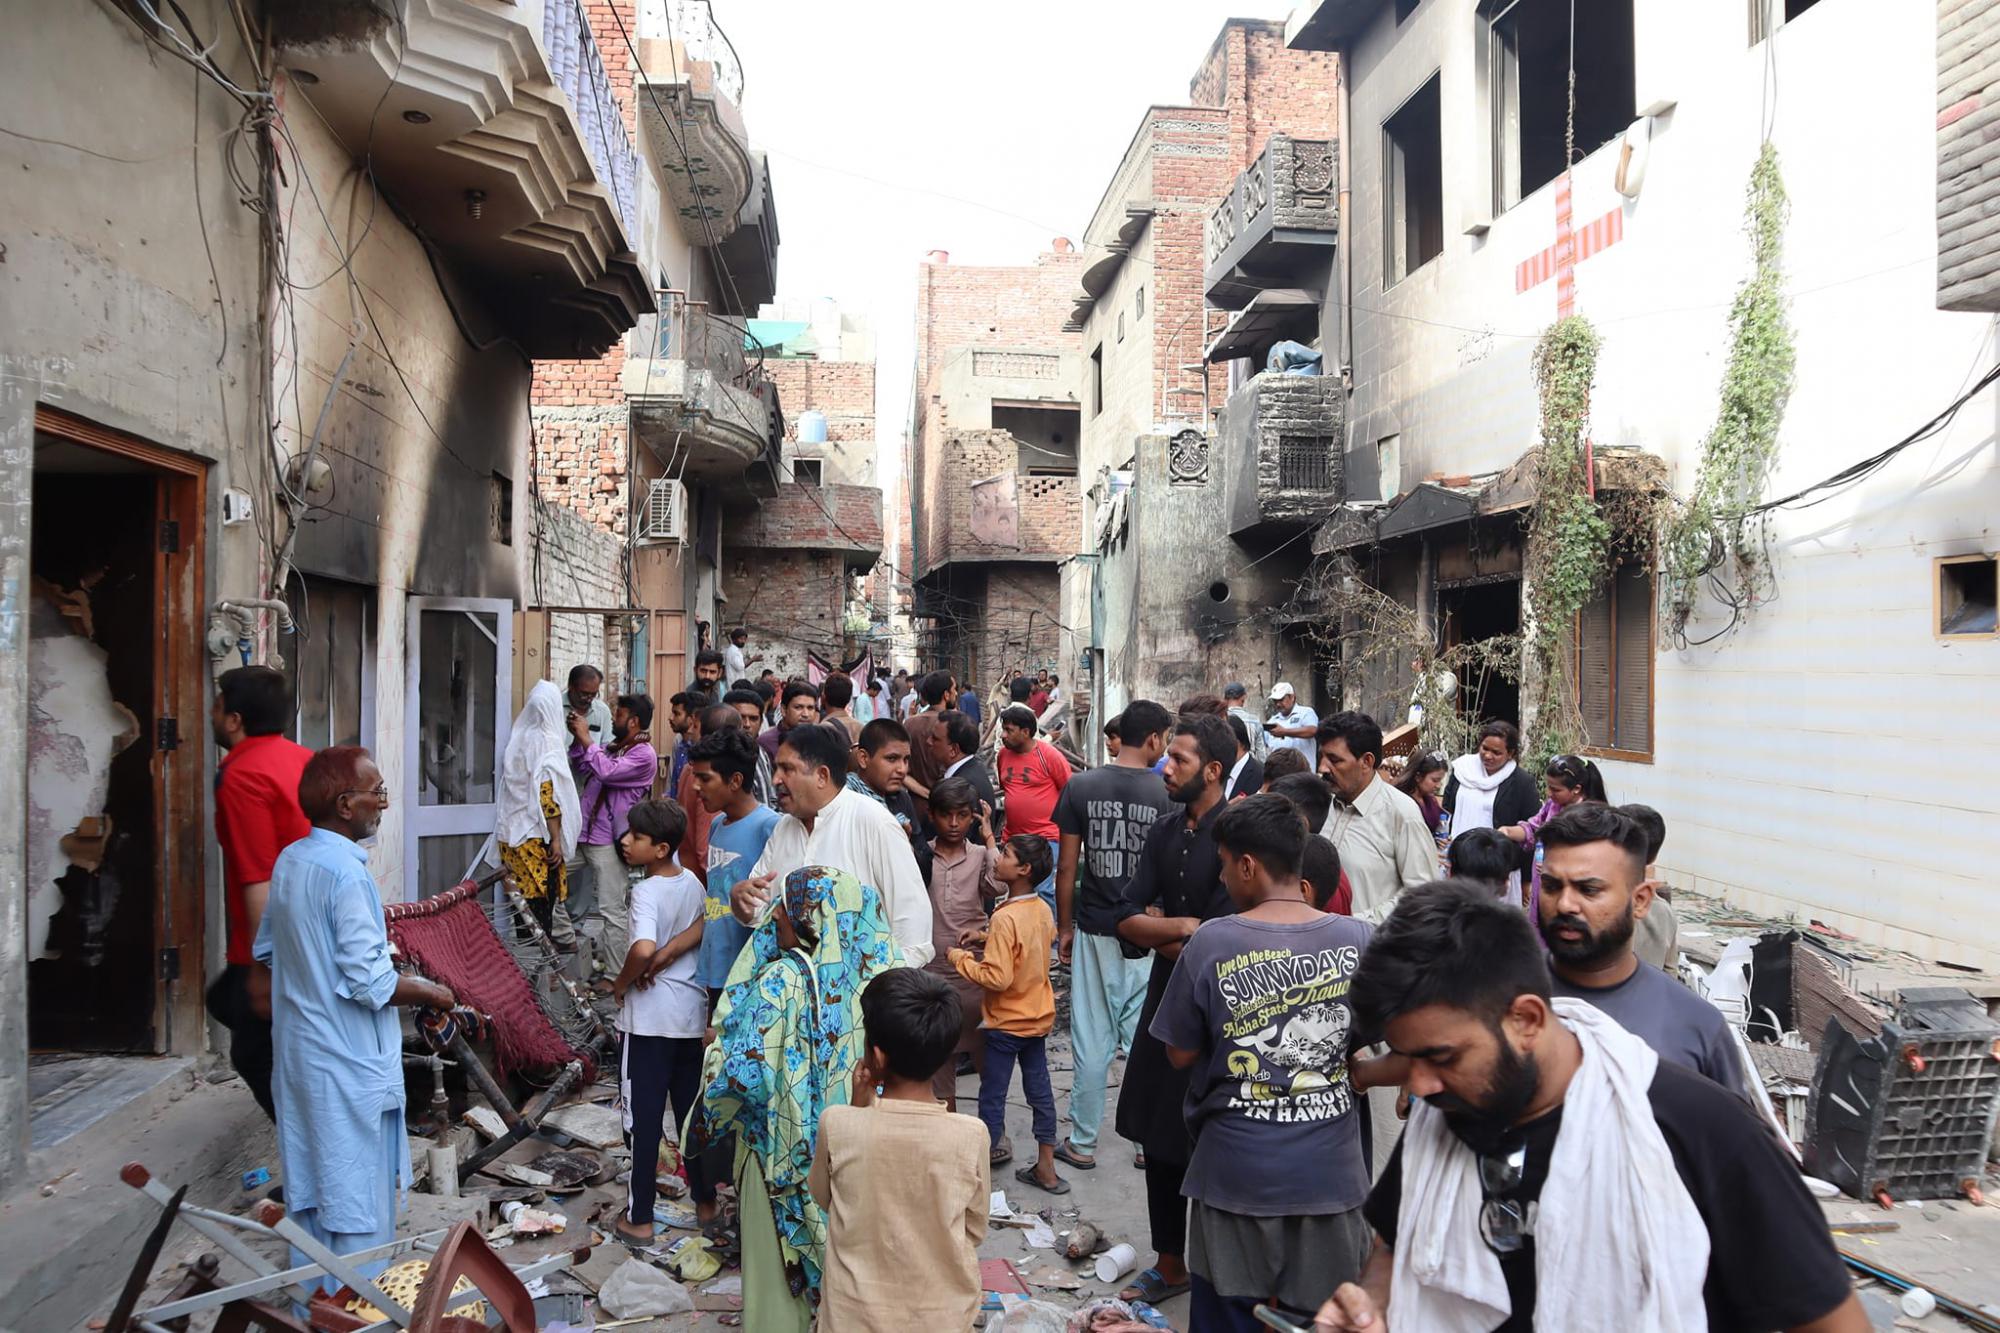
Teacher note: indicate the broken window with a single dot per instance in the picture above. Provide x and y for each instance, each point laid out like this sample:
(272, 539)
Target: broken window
(333, 655)
(501, 511)
(1413, 162)
(1614, 664)
(1968, 587)
(1529, 58)
(809, 471)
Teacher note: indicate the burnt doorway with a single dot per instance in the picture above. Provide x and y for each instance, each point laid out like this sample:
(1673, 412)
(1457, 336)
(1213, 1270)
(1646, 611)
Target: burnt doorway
(1467, 613)
(116, 816)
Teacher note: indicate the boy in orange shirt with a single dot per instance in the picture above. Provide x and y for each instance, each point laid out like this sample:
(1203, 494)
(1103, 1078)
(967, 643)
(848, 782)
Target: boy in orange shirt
(1020, 1006)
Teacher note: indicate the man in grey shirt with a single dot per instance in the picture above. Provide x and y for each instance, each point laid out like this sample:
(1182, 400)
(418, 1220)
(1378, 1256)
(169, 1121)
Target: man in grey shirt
(1594, 894)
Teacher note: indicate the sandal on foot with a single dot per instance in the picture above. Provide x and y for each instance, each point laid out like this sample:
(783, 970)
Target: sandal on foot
(1152, 1288)
(1069, 1155)
(1026, 1175)
(647, 1248)
(1001, 1155)
(1139, 1159)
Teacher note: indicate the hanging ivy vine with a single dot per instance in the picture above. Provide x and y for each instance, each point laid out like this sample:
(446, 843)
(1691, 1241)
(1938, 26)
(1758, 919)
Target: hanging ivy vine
(1569, 540)
(1716, 537)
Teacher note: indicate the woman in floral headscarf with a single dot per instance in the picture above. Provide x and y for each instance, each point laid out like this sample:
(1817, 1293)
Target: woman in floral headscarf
(788, 1038)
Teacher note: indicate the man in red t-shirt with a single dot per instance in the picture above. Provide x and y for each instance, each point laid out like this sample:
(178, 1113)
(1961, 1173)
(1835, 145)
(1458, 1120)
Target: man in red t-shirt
(257, 816)
(1032, 776)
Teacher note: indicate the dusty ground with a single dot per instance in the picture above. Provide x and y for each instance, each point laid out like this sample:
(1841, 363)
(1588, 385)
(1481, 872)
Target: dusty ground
(1952, 1247)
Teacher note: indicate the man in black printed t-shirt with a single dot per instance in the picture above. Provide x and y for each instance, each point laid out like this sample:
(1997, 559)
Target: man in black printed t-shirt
(1551, 1158)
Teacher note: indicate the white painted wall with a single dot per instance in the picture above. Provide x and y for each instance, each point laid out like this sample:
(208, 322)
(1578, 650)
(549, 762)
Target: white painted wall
(1824, 759)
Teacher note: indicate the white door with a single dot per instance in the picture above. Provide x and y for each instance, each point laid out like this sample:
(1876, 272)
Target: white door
(456, 697)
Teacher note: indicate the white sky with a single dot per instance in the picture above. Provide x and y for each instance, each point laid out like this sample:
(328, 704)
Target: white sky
(985, 129)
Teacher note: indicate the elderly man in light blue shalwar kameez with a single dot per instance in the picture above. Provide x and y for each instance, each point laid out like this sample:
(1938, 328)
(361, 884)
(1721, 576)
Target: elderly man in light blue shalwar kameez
(337, 1081)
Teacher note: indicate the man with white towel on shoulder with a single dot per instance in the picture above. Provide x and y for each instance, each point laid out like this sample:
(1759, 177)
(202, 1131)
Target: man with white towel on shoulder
(1557, 1176)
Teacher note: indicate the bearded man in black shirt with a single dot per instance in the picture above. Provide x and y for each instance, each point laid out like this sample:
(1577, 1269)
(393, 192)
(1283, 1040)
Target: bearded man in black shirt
(1655, 1200)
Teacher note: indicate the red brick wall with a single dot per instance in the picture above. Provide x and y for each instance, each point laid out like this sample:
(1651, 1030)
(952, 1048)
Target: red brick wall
(791, 601)
(827, 518)
(844, 390)
(1266, 88)
(580, 455)
(581, 466)
(611, 46)
(960, 305)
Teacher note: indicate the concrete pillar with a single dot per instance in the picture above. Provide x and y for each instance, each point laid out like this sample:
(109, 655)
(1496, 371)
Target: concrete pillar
(18, 384)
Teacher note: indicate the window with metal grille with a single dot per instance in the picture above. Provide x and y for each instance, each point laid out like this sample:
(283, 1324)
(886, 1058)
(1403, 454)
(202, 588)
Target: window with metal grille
(1614, 665)
(1305, 462)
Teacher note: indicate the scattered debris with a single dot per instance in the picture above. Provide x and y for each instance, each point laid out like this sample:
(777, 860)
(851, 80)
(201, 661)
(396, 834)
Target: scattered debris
(1084, 1241)
(1040, 1235)
(519, 1174)
(487, 1121)
(588, 1123)
(569, 1171)
(639, 1290)
(1055, 1277)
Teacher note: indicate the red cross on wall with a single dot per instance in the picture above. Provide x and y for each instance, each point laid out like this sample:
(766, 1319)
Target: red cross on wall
(1572, 247)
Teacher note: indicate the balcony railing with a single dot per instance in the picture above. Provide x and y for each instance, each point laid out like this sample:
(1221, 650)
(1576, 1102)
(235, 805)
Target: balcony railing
(685, 330)
(578, 69)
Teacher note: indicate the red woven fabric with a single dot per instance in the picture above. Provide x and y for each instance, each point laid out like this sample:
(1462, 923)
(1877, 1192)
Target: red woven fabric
(450, 940)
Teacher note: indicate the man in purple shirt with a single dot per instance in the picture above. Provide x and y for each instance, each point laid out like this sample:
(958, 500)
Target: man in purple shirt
(611, 780)
(801, 706)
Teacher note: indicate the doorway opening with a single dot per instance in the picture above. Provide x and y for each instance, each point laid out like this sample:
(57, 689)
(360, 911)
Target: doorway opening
(1468, 613)
(116, 815)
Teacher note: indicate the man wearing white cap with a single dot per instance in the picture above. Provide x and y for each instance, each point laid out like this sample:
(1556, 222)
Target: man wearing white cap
(1292, 723)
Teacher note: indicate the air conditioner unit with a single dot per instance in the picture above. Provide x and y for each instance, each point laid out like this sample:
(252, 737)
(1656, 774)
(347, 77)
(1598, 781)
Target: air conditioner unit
(665, 515)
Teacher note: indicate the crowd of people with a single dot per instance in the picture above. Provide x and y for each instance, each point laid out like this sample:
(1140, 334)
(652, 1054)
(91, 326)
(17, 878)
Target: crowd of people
(1401, 1046)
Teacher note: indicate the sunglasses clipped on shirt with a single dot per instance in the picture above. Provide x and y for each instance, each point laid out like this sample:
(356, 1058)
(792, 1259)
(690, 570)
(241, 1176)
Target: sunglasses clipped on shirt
(1504, 1224)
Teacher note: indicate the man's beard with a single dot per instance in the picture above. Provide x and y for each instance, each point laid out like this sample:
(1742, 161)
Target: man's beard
(221, 737)
(1191, 792)
(1595, 946)
(1509, 1091)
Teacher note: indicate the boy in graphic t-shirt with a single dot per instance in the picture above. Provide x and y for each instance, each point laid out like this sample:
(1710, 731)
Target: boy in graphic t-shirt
(723, 768)
(662, 1011)
(1258, 1008)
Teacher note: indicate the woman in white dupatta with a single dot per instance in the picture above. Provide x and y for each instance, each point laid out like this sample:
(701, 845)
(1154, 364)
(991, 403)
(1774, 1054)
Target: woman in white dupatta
(539, 818)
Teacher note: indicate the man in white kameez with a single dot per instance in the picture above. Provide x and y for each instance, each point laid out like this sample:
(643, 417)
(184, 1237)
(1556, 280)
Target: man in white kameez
(337, 1080)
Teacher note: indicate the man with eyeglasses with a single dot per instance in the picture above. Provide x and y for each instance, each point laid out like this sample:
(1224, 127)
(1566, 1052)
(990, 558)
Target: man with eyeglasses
(338, 1077)
(1550, 1151)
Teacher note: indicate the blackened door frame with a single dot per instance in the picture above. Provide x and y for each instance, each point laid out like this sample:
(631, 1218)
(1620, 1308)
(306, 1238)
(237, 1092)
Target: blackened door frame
(177, 724)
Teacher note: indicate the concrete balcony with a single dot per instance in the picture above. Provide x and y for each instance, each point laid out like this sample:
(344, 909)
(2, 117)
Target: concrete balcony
(1277, 226)
(494, 128)
(837, 519)
(1281, 438)
(699, 144)
(700, 401)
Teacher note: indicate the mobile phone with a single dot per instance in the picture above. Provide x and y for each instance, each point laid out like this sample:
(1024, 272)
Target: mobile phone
(1279, 1320)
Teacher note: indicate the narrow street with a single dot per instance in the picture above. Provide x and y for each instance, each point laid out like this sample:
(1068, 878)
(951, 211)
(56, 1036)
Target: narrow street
(1384, 613)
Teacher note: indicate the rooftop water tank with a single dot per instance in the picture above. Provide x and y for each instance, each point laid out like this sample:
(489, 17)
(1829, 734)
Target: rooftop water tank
(812, 426)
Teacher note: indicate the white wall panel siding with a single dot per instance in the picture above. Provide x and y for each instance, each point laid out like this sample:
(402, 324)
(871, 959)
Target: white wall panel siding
(1826, 759)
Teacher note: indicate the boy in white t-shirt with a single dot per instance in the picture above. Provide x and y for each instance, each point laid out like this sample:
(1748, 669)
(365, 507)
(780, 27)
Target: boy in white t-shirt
(662, 1008)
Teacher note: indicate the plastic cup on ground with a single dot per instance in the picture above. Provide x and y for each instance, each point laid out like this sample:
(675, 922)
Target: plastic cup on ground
(1116, 1262)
